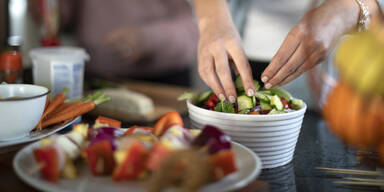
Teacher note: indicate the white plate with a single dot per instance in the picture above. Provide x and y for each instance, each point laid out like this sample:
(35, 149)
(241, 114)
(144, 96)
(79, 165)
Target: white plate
(248, 164)
(35, 135)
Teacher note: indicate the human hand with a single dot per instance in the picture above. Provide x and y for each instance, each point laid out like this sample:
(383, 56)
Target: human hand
(219, 49)
(311, 41)
(126, 42)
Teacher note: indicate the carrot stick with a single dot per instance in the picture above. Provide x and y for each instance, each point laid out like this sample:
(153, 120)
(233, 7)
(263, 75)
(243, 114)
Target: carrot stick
(76, 111)
(64, 108)
(80, 110)
(47, 101)
(56, 102)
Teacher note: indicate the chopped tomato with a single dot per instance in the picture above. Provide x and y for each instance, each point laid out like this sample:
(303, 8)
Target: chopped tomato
(47, 158)
(158, 154)
(254, 113)
(211, 102)
(108, 121)
(135, 127)
(286, 104)
(133, 164)
(223, 163)
(100, 158)
(264, 112)
(166, 121)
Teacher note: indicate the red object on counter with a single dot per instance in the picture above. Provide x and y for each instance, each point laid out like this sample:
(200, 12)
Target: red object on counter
(11, 67)
(50, 41)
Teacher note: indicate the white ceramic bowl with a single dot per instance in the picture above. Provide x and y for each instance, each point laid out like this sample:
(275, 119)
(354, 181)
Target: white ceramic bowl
(20, 115)
(272, 137)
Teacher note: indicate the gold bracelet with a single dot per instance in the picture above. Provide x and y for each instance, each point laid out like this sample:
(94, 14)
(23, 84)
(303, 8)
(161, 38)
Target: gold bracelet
(364, 16)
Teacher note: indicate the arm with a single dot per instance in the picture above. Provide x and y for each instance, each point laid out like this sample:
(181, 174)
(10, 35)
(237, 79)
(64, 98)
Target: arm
(313, 38)
(219, 45)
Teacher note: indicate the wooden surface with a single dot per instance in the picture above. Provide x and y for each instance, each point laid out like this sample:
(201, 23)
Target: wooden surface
(163, 96)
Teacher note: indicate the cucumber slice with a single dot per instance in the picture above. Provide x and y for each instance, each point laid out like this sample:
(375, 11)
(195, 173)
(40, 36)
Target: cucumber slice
(204, 96)
(281, 93)
(274, 111)
(261, 96)
(239, 84)
(244, 102)
(240, 87)
(276, 103)
(265, 105)
(297, 104)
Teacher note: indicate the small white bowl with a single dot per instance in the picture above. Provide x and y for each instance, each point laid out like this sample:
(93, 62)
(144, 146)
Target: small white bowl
(272, 137)
(18, 116)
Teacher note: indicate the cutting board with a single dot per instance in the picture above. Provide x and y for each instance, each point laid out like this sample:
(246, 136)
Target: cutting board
(164, 98)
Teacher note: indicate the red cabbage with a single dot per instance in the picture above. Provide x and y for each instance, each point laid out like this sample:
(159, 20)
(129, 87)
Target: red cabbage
(214, 138)
(105, 133)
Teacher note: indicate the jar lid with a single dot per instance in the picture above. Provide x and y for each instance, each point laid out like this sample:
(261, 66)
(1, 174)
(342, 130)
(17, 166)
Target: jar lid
(59, 53)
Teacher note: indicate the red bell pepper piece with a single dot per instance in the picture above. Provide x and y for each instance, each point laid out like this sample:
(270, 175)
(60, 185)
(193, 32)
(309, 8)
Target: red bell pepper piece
(133, 128)
(286, 104)
(108, 121)
(100, 158)
(47, 157)
(166, 121)
(133, 164)
(254, 113)
(223, 163)
(158, 154)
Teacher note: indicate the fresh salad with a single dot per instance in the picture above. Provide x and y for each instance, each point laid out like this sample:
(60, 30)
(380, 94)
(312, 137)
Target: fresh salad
(167, 155)
(265, 101)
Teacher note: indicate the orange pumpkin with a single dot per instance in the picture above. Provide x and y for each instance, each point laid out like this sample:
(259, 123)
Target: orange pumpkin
(355, 119)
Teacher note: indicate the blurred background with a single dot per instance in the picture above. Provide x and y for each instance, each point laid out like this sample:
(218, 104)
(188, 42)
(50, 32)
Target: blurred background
(156, 45)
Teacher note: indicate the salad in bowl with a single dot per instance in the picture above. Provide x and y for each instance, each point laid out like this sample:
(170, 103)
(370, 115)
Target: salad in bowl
(264, 101)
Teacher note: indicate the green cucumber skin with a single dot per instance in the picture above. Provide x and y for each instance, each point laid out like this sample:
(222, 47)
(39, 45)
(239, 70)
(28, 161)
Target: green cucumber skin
(244, 102)
(297, 104)
(204, 96)
(281, 93)
(240, 87)
(265, 105)
(261, 96)
(276, 103)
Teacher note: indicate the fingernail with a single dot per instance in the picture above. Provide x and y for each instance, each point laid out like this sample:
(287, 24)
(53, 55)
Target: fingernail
(221, 97)
(264, 79)
(232, 99)
(268, 85)
(250, 92)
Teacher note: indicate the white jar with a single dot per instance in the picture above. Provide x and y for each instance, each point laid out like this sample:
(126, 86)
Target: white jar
(59, 67)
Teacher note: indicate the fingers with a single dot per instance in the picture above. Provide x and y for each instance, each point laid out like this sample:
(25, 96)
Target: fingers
(207, 73)
(291, 66)
(310, 62)
(243, 68)
(224, 73)
(288, 47)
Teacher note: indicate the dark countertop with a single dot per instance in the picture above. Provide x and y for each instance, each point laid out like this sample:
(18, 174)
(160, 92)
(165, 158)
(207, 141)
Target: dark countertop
(316, 147)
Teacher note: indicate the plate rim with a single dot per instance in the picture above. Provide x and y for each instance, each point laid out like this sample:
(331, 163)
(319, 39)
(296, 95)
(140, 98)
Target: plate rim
(26, 139)
(45, 186)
